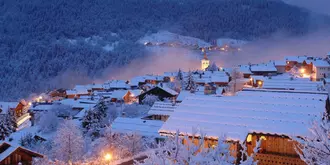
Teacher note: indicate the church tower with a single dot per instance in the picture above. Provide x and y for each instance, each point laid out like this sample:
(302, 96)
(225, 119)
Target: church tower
(205, 61)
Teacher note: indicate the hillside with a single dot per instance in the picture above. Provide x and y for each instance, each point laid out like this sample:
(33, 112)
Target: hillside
(57, 43)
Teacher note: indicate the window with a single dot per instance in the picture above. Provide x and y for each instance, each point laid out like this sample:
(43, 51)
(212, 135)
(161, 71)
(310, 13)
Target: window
(249, 138)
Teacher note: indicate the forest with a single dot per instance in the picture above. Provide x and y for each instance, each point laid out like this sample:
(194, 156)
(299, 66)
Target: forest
(59, 43)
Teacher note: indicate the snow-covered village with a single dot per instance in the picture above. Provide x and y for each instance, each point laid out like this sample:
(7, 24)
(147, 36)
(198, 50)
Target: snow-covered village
(164, 82)
(274, 112)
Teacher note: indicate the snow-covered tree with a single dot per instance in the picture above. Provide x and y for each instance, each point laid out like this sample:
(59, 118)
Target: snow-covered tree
(102, 107)
(190, 84)
(132, 144)
(213, 67)
(68, 143)
(6, 126)
(315, 149)
(236, 83)
(12, 120)
(179, 76)
(150, 99)
(92, 122)
(48, 122)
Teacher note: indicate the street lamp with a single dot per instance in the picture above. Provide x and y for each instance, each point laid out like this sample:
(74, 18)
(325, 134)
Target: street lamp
(302, 70)
(108, 157)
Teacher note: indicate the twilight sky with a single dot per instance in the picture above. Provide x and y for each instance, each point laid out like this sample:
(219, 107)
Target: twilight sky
(321, 6)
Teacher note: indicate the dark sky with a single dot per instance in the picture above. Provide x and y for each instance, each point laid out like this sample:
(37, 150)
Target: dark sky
(321, 6)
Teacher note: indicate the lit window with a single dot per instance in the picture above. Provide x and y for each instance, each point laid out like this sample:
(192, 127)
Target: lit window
(249, 138)
(263, 138)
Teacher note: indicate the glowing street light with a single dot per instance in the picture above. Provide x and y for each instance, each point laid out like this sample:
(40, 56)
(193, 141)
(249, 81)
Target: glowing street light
(302, 70)
(40, 97)
(108, 157)
(30, 103)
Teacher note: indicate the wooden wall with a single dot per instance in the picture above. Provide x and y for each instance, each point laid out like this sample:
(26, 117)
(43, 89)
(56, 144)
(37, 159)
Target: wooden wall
(16, 157)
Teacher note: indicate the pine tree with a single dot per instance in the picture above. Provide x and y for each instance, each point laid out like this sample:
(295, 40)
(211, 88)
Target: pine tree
(102, 107)
(179, 76)
(190, 84)
(5, 127)
(92, 122)
(213, 67)
(12, 120)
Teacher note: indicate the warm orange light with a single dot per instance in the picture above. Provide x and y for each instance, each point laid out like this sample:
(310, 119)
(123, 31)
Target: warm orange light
(259, 82)
(108, 157)
(302, 70)
(249, 138)
(251, 79)
(30, 103)
(263, 138)
(40, 97)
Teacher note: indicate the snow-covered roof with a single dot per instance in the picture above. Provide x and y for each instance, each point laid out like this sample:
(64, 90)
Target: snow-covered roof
(140, 126)
(12, 148)
(284, 82)
(116, 84)
(78, 90)
(136, 80)
(278, 113)
(162, 108)
(42, 107)
(280, 63)
(154, 77)
(299, 59)
(217, 79)
(136, 92)
(118, 94)
(5, 106)
(183, 94)
(76, 103)
(245, 69)
(321, 63)
(167, 89)
(263, 67)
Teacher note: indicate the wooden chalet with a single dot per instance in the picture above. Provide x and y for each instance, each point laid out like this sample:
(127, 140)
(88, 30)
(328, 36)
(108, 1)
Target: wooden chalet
(161, 92)
(248, 117)
(11, 155)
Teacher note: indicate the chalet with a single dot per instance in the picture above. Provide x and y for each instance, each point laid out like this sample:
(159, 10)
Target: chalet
(78, 91)
(154, 79)
(57, 93)
(321, 69)
(170, 76)
(280, 66)
(161, 91)
(136, 82)
(161, 110)
(295, 61)
(273, 117)
(263, 69)
(116, 85)
(219, 78)
(210, 89)
(10, 155)
(95, 87)
(286, 82)
(245, 70)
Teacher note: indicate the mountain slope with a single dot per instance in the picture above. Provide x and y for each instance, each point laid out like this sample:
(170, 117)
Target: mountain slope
(35, 35)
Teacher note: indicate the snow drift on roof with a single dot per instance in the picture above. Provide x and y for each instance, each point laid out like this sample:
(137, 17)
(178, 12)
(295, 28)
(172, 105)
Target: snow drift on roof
(236, 116)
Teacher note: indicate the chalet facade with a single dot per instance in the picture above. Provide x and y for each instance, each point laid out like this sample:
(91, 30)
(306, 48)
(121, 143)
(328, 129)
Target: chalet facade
(248, 117)
(161, 92)
(10, 155)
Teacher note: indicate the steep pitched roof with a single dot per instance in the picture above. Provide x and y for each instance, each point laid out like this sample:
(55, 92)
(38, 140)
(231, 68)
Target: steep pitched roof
(9, 149)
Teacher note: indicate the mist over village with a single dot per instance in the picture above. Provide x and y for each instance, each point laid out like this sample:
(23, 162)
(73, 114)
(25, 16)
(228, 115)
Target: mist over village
(164, 82)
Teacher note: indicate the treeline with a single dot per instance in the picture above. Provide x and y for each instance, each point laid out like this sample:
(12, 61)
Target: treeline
(34, 34)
